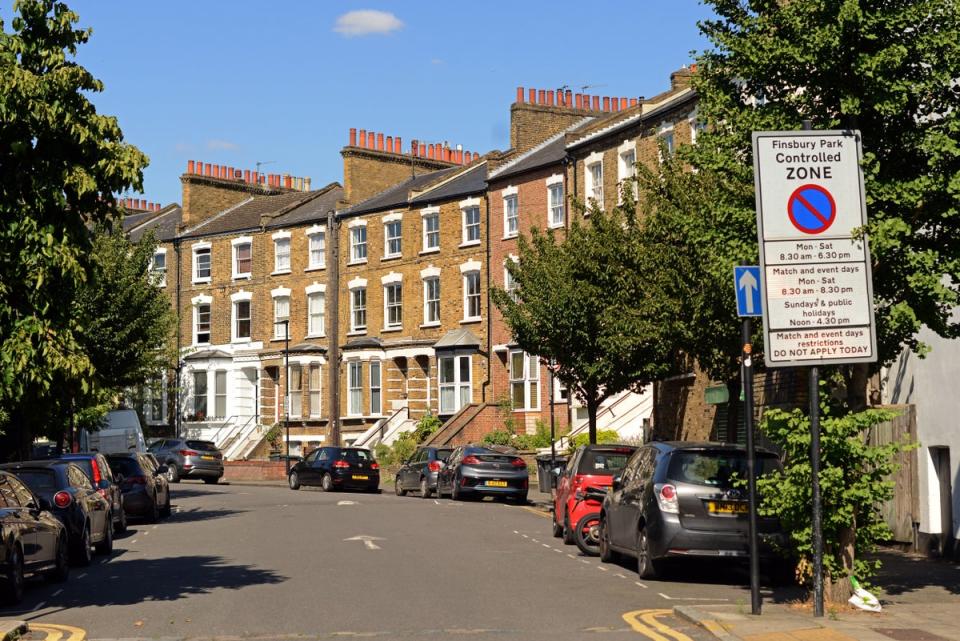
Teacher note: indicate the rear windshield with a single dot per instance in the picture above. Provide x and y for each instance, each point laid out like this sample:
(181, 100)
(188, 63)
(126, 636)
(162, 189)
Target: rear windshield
(156, 445)
(716, 468)
(356, 455)
(605, 462)
(203, 446)
(444, 454)
(478, 450)
(125, 466)
(40, 481)
(85, 465)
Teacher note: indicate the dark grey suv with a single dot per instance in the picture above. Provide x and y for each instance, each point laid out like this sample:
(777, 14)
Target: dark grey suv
(678, 499)
(419, 473)
(189, 459)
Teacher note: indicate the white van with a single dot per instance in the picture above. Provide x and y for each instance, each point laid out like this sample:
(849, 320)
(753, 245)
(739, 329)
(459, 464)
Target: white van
(119, 431)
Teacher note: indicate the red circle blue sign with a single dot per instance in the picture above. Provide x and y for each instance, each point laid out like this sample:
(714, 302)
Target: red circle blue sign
(812, 209)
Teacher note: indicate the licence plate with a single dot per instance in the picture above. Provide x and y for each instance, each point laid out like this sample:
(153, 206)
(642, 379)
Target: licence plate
(361, 477)
(727, 507)
(496, 484)
(207, 458)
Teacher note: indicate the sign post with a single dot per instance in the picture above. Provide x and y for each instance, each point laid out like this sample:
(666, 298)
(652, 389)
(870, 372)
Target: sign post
(746, 282)
(815, 261)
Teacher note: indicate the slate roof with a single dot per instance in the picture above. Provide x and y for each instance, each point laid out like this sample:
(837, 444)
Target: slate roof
(472, 180)
(313, 210)
(398, 195)
(246, 214)
(549, 152)
(455, 338)
(163, 223)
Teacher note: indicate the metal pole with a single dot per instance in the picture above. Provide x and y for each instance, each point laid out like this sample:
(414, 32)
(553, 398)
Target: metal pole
(817, 525)
(553, 429)
(747, 376)
(286, 367)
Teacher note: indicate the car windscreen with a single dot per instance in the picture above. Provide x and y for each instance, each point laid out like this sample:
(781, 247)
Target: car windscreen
(355, 456)
(125, 466)
(203, 446)
(444, 454)
(716, 468)
(40, 481)
(605, 462)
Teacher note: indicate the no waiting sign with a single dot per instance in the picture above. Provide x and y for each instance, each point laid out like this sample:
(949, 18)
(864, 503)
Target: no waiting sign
(816, 281)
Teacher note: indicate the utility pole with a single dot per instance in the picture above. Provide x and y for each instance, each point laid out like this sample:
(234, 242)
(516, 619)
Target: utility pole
(333, 274)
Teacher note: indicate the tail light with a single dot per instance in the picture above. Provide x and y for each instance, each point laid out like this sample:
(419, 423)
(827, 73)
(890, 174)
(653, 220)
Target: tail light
(471, 460)
(189, 453)
(667, 498)
(374, 466)
(341, 464)
(518, 463)
(62, 499)
(434, 466)
(97, 477)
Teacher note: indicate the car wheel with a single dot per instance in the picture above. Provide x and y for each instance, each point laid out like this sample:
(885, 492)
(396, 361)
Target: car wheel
(455, 490)
(211, 481)
(587, 534)
(607, 555)
(294, 481)
(12, 590)
(61, 570)
(154, 514)
(424, 489)
(82, 555)
(569, 536)
(122, 523)
(646, 567)
(399, 491)
(326, 483)
(557, 528)
(105, 546)
(173, 474)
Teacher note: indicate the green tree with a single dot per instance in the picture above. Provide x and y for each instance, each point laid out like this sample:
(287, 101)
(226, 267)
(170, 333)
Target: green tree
(595, 305)
(60, 165)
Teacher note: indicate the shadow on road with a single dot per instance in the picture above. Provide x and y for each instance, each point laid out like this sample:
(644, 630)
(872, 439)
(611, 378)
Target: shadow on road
(907, 573)
(180, 492)
(199, 514)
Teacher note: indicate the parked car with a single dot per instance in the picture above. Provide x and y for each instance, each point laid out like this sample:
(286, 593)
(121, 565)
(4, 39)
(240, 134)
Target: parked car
(473, 470)
(72, 499)
(144, 494)
(420, 471)
(678, 499)
(119, 432)
(189, 459)
(33, 541)
(96, 467)
(161, 477)
(590, 466)
(336, 468)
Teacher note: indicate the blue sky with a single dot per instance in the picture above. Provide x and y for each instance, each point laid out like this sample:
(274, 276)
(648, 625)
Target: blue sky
(239, 82)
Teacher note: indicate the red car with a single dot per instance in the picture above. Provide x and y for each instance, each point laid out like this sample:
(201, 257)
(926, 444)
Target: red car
(590, 466)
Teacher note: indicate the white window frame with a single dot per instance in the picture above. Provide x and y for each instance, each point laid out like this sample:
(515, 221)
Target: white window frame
(358, 244)
(666, 135)
(295, 396)
(468, 207)
(511, 212)
(235, 299)
(468, 275)
(376, 402)
(315, 292)
(626, 169)
(528, 379)
(556, 205)
(315, 392)
(388, 305)
(354, 391)
(462, 390)
(509, 285)
(236, 244)
(432, 214)
(282, 253)
(354, 308)
(196, 249)
(314, 233)
(197, 302)
(593, 186)
(431, 303)
(195, 375)
(159, 276)
(391, 221)
(217, 396)
(281, 298)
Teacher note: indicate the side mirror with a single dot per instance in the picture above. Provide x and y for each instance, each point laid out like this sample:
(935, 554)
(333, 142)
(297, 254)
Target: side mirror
(617, 483)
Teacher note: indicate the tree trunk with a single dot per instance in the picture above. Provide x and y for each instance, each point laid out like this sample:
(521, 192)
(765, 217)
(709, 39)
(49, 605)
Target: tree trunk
(857, 386)
(592, 406)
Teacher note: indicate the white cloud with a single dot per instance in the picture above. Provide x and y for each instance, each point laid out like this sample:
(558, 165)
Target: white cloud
(220, 145)
(183, 147)
(436, 61)
(366, 22)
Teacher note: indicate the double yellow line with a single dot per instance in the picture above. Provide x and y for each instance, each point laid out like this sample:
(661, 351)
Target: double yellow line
(58, 632)
(645, 622)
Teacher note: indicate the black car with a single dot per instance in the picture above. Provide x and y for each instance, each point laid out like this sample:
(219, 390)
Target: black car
(678, 499)
(420, 471)
(32, 540)
(144, 494)
(96, 467)
(336, 468)
(476, 471)
(68, 491)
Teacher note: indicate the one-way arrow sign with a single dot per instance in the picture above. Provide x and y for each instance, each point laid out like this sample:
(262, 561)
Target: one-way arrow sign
(746, 282)
(368, 541)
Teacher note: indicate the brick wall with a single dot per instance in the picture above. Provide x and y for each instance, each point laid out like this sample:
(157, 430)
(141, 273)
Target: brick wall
(254, 471)
(531, 124)
(367, 172)
(204, 196)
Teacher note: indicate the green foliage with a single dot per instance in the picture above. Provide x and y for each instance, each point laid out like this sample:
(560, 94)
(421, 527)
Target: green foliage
(540, 439)
(603, 436)
(60, 165)
(426, 427)
(595, 304)
(854, 482)
(383, 453)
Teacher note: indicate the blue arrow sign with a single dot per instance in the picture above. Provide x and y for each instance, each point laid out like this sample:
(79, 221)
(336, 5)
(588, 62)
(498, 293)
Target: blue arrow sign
(746, 281)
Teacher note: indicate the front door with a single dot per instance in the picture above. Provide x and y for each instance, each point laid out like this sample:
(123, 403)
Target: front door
(941, 464)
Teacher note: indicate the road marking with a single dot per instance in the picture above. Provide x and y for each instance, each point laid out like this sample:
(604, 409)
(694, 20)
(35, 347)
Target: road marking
(602, 569)
(347, 503)
(147, 533)
(525, 536)
(642, 585)
(56, 632)
(682, 598)
(80, 576)
(558, 551)
(131, 543)
(40, 605)
(572, 557)
(645, 622)
(584, 561)
(368, 541)
(545, 545)
(623, 576)
(154, 527)
(535, 540)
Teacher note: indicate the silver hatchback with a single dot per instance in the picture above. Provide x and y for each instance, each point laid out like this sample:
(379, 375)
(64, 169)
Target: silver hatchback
(189, 459)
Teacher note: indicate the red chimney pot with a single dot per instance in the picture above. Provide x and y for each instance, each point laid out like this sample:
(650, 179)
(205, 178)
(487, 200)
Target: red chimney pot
(606, 103)
(579, 101)
(550, 98)
(397, 146)
(389, 145)
(519, 94)
(633, 102)
(568, 98)
(542, 97)
(423, 150)
(190, 166)
(533, 96)
(476, 156)
(596, 103)
(379, 142)
(353, 136)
